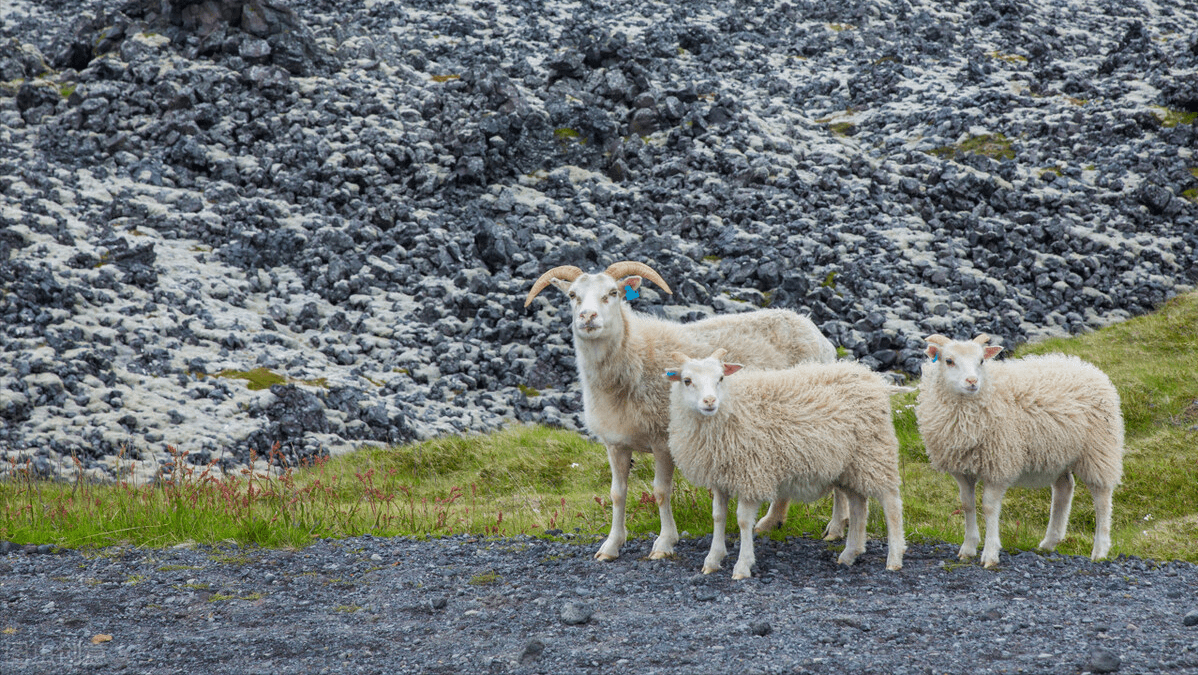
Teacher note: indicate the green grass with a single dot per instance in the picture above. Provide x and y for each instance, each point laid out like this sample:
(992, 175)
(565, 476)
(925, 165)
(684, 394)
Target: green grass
(528, 479)
(994, 146)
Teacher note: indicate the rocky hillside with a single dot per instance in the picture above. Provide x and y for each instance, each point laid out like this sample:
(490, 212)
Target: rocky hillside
(232, 224)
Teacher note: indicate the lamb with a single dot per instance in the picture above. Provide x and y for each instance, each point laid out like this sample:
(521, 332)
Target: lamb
(1031, 422)
(792, 434)
(619, 354)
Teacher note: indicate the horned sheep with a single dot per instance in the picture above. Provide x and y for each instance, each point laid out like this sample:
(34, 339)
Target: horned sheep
(620, 354)
(1030, 422)
(792, 434)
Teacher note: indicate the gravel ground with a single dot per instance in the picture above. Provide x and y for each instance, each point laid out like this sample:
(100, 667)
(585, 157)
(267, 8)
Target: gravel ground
(352, 198)
(526, 605)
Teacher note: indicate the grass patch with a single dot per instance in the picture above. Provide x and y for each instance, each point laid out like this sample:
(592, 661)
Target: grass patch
(264, 378)
(994, 146)
(842, 128)
(445, 78)
(1171, 118)
(1013, 59)
(530, 480)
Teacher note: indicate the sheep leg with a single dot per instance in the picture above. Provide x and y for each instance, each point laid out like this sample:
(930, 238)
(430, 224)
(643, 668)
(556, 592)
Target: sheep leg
(1058, 513)
(663, 486)
(840, 516)
(620, 459)
(746, 515)
(966, 486)
(1102, 520)
(896, 543)
(719, 518)
(854, 545)
(775, 517)
(991, 508)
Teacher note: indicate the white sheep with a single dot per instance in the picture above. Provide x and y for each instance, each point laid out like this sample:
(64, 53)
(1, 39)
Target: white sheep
(620, 354)
(792, 434)
(1031, 422)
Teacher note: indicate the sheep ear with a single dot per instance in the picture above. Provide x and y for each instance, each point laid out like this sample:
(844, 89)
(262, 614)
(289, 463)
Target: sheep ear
(718, 354)
(991, 352)
(937, 339)
(630, 287)
(673, 375)
(933, 352)
(679, 357)
(730, 368)
(982, 338)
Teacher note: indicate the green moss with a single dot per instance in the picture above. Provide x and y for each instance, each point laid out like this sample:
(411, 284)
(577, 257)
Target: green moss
(1191, 194)
(838, 27)
(842, 353)
(565, 133)
(712, 258)
(767, 299)
(1194, 171)
(829, 280)
(347, 609)
(66, 89)
(842, 128)
(256, 379)
(1051, 169)
(994, 146)
(1013, 59)
(1171, 118)
(445, 78)
(528, 391)
(484, 578)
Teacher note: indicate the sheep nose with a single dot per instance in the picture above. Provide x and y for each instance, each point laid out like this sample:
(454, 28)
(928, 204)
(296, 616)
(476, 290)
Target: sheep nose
(587, 315)
(971, 380)
(708, 400)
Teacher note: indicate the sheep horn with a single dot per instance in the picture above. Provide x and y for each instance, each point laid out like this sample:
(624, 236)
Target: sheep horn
(982, 338)
(626, 268)
(567, 272)
(679, 357)
(937, 339)
(718, 354)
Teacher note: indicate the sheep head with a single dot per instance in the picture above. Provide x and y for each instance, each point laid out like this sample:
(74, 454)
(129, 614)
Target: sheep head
(595, 298)
(961, 365)
(702, 380)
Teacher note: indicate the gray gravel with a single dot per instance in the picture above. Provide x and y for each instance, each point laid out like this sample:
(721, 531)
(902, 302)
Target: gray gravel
(526, 605)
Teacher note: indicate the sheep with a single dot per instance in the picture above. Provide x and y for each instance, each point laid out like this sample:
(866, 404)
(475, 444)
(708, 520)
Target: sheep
(792, 434)
(1031, 422)
(619, 353)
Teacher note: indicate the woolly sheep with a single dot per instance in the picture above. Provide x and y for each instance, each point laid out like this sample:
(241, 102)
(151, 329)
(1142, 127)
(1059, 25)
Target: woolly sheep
(793, 434)
(620, 354)
(1031, 422)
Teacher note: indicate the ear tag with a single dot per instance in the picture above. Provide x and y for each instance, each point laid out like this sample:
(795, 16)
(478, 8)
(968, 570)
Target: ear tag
(671, 373)
(630, 293)
(935, 357)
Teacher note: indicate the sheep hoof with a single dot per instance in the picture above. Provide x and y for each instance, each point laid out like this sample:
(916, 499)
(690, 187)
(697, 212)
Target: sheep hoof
(709, 570)
(737, 576)
(895, 567)
(658, 555)
(1047, 545)
(966, 555)
(989, 564)
(605, 557)
(833, 536)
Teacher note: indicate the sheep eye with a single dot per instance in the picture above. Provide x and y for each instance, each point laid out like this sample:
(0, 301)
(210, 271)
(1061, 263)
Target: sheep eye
(721, 378)
(573, 295)
(686, 381)
(948, 362)
(612, 293)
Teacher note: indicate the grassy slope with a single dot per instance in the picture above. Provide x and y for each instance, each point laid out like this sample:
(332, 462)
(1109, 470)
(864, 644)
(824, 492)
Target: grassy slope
(532, 479)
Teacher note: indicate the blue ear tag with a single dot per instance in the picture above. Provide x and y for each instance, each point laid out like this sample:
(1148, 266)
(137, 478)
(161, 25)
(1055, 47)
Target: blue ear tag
(671, 373)
(630, 293)
(935, 357)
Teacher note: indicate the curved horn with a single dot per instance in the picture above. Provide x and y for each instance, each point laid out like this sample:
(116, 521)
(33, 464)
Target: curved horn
(937, 339)
(626, 268)
(567, 272)
(718, 354)
(982, 338)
